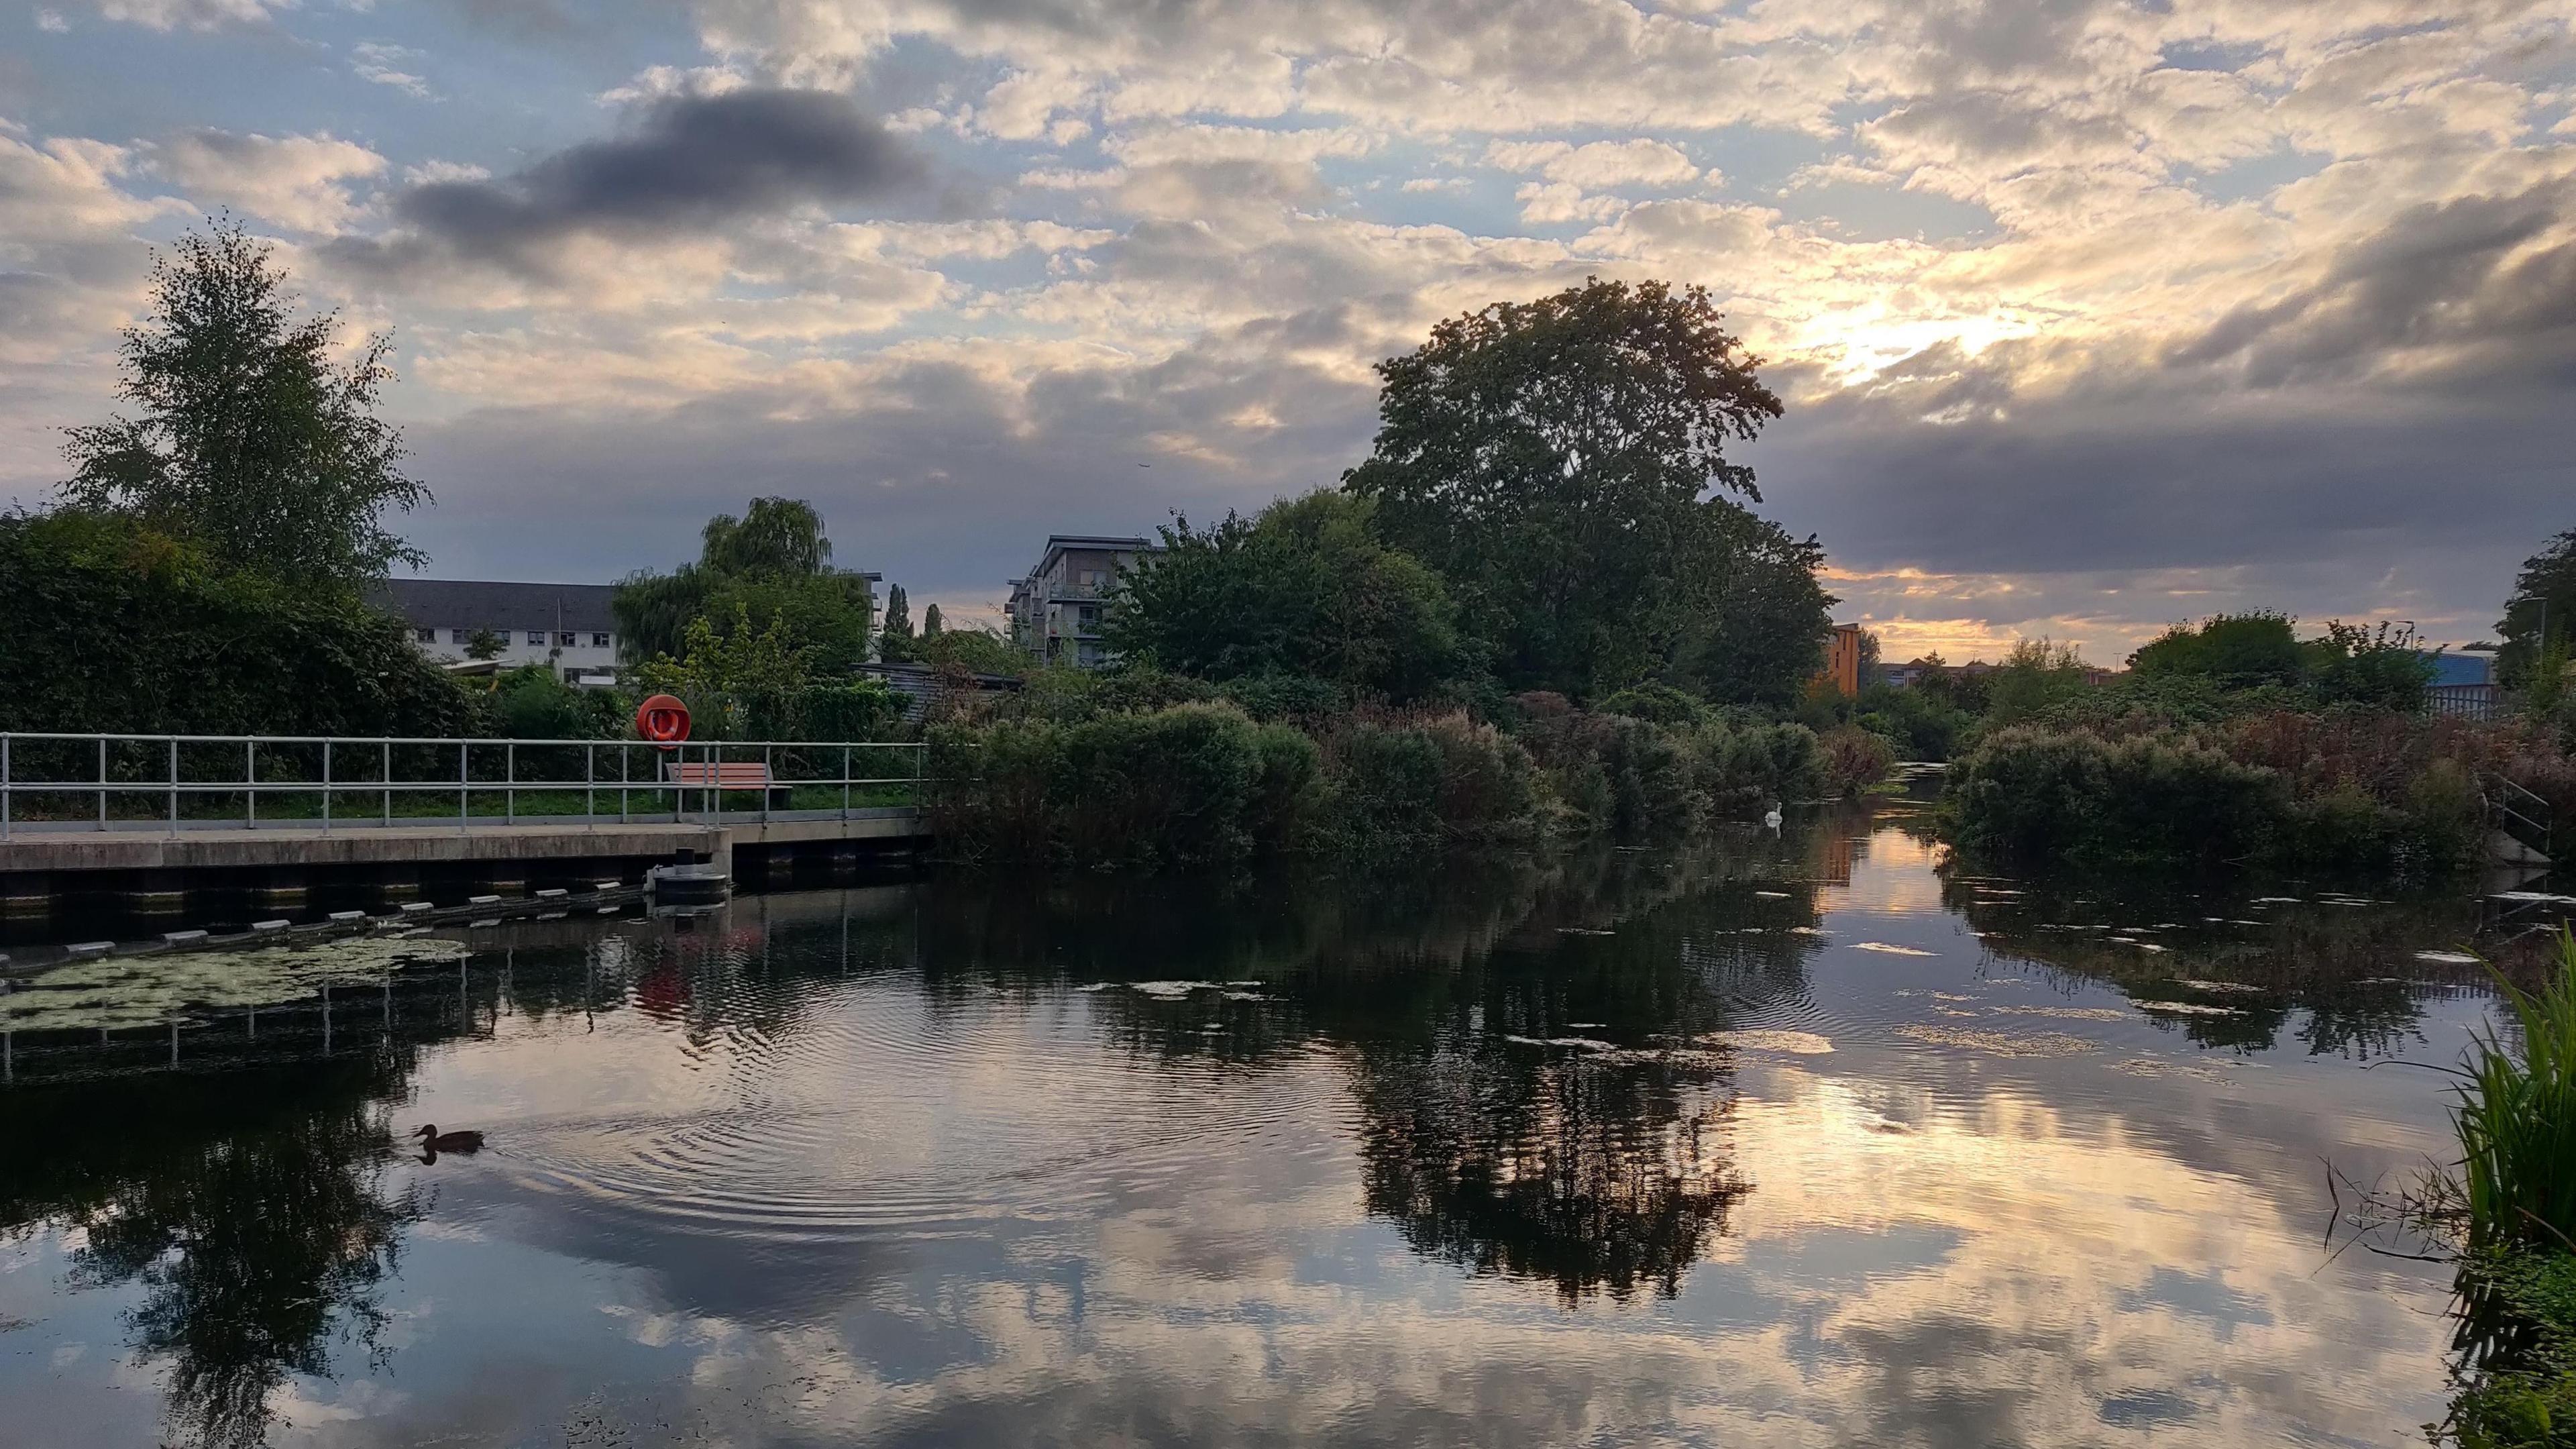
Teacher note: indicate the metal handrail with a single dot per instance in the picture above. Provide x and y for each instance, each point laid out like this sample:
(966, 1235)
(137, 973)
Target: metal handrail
(779, 760)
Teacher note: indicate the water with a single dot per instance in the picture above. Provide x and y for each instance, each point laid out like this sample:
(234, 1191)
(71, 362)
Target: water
(1762, 1142)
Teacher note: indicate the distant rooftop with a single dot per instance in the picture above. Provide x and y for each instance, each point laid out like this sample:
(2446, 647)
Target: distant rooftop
(489, 604)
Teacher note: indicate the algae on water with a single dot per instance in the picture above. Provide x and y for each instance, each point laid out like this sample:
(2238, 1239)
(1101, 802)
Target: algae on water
(110, 993)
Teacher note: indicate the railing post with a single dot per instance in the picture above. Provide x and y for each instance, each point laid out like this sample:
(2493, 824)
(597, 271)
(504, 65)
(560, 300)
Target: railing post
(768, 779)
(174, 789)
(621, 782)
(102, 782)
(845, 781)
(463, 821)
(326, 787)
(389, 783)
(250, 782)
(4, 787)
(510, 783)
(589, 787)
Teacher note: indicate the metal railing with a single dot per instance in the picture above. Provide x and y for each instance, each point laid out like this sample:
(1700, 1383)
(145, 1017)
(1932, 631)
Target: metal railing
(2522, 815)
(101, 782)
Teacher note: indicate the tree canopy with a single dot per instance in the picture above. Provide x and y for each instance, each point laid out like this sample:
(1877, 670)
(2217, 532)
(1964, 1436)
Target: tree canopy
(1303, 588)
(2236, 651)
(249, 443)
(772, 567)
(2545, 588)
(1554, 461)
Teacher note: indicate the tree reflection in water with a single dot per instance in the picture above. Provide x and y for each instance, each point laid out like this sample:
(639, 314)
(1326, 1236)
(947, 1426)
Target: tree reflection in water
(1600, 1175)
(253, 1223)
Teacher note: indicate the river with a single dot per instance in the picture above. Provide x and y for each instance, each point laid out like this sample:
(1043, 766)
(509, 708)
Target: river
(1786, 1139)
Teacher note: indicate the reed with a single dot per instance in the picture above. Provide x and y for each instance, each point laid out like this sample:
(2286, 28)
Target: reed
(2517, 1117)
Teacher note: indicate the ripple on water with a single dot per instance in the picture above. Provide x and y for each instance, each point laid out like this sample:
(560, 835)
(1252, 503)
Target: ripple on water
(864, 1116)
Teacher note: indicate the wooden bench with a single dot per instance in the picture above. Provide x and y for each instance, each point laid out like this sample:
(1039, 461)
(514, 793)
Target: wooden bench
(727, 775)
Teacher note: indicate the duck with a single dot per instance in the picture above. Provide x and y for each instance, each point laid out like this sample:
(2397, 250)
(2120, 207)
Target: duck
(434, 1141)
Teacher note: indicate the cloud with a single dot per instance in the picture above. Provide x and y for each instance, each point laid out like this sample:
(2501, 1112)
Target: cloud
(690, 165)
(1597, 164)
(301, 182)
(379, 64)
(190, 14)
(2478, 289)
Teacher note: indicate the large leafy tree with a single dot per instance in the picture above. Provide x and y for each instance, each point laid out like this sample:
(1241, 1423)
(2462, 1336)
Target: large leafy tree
(1563, 462)
(1305, 588)
(772, 567)
(2234, 651)
(2544, 599)
(1757, 621)
(248, 440)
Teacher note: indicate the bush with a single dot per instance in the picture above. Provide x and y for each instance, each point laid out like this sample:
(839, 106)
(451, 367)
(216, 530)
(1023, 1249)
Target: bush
(1426, 784)
(1183, 786)
(859, 709)
(1854, 759)
(2036, 794)
(533, 703)
(109, 626)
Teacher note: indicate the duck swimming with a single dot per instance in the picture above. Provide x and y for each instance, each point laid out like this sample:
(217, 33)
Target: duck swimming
(433, 1141)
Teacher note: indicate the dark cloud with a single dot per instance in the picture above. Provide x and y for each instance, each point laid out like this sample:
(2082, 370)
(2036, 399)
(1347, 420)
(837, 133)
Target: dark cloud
(690, 164)
(2460, 277)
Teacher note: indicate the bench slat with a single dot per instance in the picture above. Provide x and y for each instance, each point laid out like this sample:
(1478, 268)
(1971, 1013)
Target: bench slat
(725, 776)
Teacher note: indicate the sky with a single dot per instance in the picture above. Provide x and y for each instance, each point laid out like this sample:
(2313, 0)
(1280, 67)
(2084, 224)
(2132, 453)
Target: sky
(2089, 315)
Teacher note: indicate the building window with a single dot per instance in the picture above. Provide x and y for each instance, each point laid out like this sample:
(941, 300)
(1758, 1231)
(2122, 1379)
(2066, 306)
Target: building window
(459, 636)
(536, 636)
(565, 637)
(426, 636)
(599, 641)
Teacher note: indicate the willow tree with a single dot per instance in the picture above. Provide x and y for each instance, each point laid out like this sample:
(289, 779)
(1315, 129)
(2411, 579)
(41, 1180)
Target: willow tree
(248, 440)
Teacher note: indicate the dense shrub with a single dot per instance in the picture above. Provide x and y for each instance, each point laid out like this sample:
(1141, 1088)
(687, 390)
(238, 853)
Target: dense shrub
(1186, 786)
(2036, 794)
(2343, 791)
(1854, 759)
(111, 627)
(1443, 780)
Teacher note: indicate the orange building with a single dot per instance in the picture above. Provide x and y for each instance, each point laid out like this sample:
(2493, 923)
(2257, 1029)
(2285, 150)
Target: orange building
(1842, 663)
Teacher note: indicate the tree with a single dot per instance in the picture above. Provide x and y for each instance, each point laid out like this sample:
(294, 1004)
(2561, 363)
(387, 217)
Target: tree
(930, 623)
(2036, 676)
(251, 443)
(1552, 460)
(1758, 619)
(484, 644)
(740, 683)
(2234, 651)
(772, 566)
(977, 651)
(2542, 609)
(775, 537)
(1304, 588)
(894, 641)
(2386, 667)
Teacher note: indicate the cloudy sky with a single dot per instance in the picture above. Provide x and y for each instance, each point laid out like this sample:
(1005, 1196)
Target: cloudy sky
(2090, 314)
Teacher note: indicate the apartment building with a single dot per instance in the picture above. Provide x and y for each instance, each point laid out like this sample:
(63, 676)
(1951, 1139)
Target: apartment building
(1055, 611)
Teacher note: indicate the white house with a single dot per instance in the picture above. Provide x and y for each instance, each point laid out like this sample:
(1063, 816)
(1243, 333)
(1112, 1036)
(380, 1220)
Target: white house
(568, 628)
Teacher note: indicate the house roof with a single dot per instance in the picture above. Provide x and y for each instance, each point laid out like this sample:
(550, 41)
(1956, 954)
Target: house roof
(485, 604)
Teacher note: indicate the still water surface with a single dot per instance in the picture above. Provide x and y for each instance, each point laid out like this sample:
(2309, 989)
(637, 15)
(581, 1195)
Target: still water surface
(1773, 1141)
